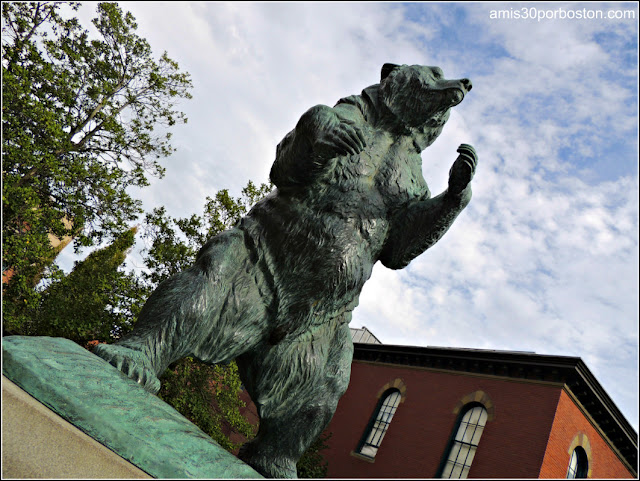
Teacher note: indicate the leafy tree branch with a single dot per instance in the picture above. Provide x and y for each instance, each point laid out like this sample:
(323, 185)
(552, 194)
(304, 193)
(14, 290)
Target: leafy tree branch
(80, 120)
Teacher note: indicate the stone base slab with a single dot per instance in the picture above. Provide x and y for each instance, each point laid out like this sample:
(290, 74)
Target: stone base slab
(37, 443)
(95, 399)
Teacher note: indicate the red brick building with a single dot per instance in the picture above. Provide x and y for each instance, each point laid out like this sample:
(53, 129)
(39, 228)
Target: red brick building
(426, 412)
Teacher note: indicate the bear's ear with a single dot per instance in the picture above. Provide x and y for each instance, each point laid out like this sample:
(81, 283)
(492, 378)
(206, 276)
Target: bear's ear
(387, 68)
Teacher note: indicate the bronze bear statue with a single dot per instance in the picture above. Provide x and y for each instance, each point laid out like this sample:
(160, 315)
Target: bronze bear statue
(276, 291)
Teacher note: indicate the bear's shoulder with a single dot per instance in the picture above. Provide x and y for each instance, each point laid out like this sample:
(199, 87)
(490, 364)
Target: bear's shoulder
(367, 102)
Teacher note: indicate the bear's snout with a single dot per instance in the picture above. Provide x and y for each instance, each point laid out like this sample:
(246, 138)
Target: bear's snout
(463, 85)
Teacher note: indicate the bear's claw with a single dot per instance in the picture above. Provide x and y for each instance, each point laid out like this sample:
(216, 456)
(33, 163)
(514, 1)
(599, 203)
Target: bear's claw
(468, 151)
(132, 363)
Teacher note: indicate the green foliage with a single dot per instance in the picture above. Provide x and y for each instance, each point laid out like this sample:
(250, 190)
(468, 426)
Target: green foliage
(78, 119)
(312, 464)
(97, 300)
(208, 397)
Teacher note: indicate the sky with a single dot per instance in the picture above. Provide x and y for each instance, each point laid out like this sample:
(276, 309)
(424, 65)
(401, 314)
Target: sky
(545, 257)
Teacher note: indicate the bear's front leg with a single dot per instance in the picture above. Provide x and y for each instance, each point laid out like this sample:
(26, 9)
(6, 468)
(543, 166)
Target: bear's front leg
(213, 311)
(329, 134)
(320, 135)
(133, 363)
(423, 222)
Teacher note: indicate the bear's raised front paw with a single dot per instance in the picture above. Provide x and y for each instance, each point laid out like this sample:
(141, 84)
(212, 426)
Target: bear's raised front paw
(469, 151)
(132, 363)
(463, 169)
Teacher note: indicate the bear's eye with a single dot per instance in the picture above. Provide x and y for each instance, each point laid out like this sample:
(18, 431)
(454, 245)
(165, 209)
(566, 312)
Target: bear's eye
(437, 72)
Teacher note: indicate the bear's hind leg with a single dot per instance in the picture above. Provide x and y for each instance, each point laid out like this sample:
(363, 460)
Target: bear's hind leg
(281, 441)
(296, 387)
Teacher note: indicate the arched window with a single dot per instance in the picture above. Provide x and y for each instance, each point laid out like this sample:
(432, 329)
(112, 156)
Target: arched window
(379, 423)
(578, 464)
(465, 442)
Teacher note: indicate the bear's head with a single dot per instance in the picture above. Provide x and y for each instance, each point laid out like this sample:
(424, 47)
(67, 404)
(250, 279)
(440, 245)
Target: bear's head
(419, 95)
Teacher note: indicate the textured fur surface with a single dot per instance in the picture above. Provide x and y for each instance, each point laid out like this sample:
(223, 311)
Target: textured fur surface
(276, 292)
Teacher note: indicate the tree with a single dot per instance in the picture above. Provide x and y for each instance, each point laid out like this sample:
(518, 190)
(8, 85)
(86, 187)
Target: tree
(97, 300)
(78, 120)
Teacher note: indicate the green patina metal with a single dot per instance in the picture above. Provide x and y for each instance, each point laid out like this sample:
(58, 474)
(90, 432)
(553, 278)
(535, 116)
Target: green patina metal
(115, 410)
(276, 292)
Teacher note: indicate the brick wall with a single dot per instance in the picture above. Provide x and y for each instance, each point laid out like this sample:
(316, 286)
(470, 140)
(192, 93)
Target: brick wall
(570, 427)
(513, 444)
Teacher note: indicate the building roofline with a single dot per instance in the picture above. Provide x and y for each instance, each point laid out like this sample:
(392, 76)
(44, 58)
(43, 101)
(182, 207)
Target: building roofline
(364, 328)
(567, 370)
